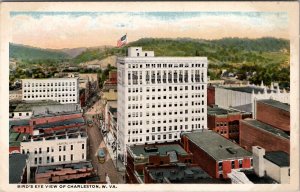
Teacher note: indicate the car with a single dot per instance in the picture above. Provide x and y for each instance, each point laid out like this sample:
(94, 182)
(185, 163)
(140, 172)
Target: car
(101, 155)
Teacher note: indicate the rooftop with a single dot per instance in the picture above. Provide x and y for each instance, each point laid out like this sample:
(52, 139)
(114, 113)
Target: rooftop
(18, 122)
(266, 127)
(279, 158)
(277, 104)
(244, 108)
(60, 134)
(159, 149)
(27, 105)
(179, 173)
(220, 111)
(16, 138)
(217, 146)
(53, 168)
(256, 179)
(50, 114)
(248, 89)
(60, 123)
(17, 163)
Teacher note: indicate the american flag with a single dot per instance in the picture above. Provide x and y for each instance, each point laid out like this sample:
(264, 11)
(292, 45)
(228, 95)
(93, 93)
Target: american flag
(122, 41)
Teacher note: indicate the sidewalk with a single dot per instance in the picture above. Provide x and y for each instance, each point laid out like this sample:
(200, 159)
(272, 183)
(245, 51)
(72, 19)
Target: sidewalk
(112, 154)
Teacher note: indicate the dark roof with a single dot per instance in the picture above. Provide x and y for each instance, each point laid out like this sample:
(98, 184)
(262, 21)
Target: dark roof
(74, 166)
(55, 114)
(179, 174)
(17, 164)
(280, 158)
(266, 127)
(220, 111)
(27, 105)
(18, 122)
(60, 123)
(244, 108)
(217, 146)
(277, 104)
(248, 89)
(252, 176)
(160, 149)
(16, 138)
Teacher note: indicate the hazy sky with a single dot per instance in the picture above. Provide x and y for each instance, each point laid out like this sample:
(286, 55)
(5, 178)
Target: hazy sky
(85, 29)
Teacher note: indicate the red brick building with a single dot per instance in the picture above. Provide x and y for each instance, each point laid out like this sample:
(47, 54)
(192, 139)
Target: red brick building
(141, 156)
(273, 113)
(257, 133)
(210, 95)
(224, 121)
(215, 154)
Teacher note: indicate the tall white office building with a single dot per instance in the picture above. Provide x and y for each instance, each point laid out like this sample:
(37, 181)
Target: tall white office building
(63, 90)
(159, 97)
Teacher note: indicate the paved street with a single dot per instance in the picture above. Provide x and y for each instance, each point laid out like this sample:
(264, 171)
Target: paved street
(96, 142)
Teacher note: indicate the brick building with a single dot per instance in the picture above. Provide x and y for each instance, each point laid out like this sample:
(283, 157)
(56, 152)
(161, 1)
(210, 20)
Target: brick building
(215, 154)
(177, 173)
(273, 113)
(210, 95)
(253, 132)
(63, 172)
(141, 156)
(224, 121)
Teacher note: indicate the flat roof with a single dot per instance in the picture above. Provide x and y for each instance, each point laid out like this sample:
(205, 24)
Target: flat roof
(74, 166)
(245, 108)
(17, 163)
(21, 122)
(16, 138)
(60, 123)
(56, 114)
(27, 105)
(162, 149)
(277, 104)
(266, 127)
(248, 89)
(220, 111)
(179, 174)
(217, 146)
(253, 177)
(280, 158)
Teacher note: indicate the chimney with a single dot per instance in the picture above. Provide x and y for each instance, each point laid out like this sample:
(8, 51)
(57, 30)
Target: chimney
(258, 160)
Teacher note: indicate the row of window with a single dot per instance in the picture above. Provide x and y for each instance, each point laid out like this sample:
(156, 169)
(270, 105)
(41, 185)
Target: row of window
(49, 84)
(159, 113)
(165, 65)
(168, 88)
(153, 138)
(48, 90)
(55, 95)
(50, 159)
(48, 149)
(158, 121)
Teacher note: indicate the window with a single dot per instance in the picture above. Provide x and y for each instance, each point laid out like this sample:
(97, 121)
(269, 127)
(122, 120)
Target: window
(64, 148)
(240, 163)
(40, 150)
(232, 164)
(82, 146)
(71, 157)
(82, 155)
(59, 148)
(220, 166)
(64, 157)
(35, 160)
(59, 158)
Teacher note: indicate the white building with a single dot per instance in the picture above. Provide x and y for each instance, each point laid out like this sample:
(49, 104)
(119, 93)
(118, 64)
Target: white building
(159, 97)
(58, 148)
(63, 90)
(15, 95)
(274, 164)
(243, 97)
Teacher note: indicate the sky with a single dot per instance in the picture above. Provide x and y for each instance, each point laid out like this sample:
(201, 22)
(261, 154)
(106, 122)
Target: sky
(58, 30)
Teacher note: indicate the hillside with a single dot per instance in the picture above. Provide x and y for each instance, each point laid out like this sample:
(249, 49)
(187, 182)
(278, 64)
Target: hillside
(22, 52)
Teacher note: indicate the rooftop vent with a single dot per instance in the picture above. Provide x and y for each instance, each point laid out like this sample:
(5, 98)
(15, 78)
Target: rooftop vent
(151, 149)
(231, 150)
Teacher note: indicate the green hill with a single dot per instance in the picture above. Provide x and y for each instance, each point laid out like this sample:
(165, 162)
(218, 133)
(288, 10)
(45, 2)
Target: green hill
(22, 52)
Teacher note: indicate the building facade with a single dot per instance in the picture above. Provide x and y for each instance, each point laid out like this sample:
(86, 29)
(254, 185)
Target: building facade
(56, 148)
(215, 154)
(63, 90)
(159, 97)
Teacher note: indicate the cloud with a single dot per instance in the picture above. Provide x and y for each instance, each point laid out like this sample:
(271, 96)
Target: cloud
(69, 29)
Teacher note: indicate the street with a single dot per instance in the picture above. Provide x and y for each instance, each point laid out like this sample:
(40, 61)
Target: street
(96, 141)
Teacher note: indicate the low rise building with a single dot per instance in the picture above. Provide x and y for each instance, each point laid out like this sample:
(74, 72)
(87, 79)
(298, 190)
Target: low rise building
(64, 172)
(141, 156)
(15, 140)
(224, 121)
(274, 164)
(65, 146)
(274, 113)
(179, 173)
(215, 154)
(257, 133)
(19, 169)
